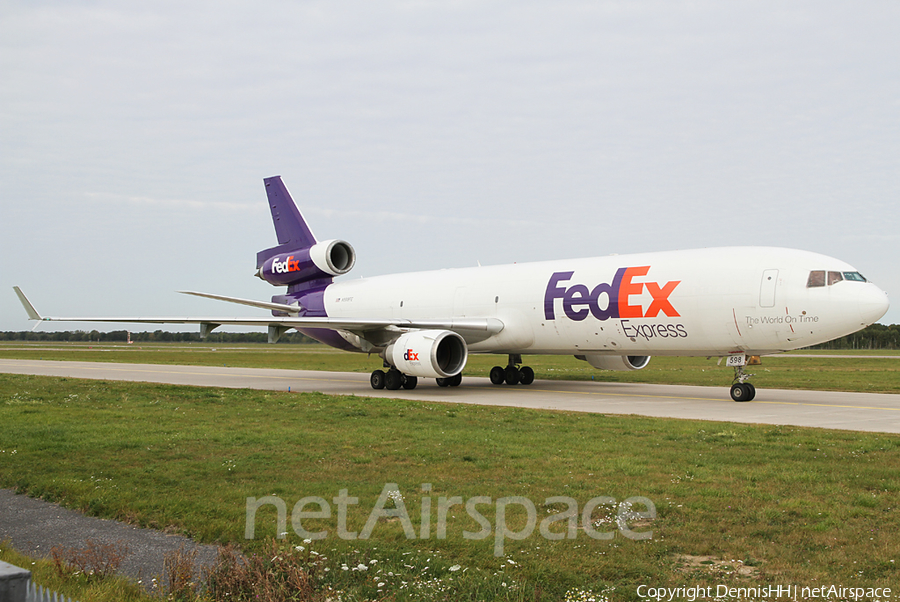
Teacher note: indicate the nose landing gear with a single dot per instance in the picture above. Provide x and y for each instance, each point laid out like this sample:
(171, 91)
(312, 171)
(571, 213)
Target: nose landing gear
(740, 389)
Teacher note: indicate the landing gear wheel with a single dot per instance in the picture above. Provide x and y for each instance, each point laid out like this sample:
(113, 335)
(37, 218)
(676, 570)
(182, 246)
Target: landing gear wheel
(512, 375)
(526, 375)
(377, 379)
(393, 380)
(498, 375)
(742, 391)
(450, 381)
(410, 382)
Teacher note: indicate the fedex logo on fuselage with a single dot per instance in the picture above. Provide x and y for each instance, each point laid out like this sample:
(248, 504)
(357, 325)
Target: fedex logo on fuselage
(288, 265)
(579, 301)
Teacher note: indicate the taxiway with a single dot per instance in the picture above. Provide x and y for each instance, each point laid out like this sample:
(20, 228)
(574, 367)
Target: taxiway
(823, 409)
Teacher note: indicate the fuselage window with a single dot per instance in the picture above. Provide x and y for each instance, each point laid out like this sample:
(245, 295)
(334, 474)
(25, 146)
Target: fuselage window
(834, 277)
(854, 276)
(816, 278)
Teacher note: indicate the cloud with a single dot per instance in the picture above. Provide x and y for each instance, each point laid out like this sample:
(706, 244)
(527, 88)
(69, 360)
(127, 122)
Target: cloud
(394, 217)
(116, 199)
(462, 127)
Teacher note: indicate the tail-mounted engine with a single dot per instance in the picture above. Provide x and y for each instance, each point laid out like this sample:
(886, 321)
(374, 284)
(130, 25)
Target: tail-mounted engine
(323, 259)
(616, 362)
(428, 353)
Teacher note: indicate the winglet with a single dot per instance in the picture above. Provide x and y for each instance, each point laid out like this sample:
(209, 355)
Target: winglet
(29, 308)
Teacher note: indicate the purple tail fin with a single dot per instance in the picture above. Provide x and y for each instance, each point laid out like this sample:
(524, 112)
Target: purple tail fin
(300, 262)
(290, 227)
(289, 224)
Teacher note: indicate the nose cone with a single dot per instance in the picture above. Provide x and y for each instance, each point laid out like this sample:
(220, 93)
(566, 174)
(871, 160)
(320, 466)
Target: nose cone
(873, 304)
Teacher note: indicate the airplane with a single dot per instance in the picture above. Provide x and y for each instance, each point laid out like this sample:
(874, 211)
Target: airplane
(612, 312)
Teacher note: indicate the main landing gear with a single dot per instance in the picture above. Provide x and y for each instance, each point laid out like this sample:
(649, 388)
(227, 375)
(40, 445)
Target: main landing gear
(740, 389)
(452, 381)
(392, 380)
(512, 374)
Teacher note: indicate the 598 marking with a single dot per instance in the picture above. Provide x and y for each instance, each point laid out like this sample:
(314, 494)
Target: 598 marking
(736, 360)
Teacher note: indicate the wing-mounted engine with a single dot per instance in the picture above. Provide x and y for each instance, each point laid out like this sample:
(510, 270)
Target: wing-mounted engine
(322, 260)
(616, 362)
(428, 353)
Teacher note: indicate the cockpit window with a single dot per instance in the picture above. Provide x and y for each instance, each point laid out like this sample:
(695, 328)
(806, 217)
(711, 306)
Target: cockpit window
(816, 278)
(821, 278)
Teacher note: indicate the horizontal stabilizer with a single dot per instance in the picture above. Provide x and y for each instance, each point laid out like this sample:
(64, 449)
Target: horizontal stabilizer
(293, 310)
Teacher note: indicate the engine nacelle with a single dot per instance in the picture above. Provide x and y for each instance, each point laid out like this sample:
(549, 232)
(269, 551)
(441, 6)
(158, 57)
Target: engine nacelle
(616, 362)
(326, 258)
(428, 353)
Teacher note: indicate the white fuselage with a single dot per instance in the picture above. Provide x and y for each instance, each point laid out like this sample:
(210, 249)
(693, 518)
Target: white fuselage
(715, 301)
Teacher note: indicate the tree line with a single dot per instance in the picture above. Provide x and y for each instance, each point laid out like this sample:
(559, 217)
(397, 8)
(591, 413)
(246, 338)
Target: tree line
(876, 336)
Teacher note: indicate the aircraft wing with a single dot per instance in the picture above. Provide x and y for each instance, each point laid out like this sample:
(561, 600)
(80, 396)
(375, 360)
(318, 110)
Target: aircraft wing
(476, 328)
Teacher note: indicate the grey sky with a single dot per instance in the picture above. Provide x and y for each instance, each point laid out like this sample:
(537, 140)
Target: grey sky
(134, 139)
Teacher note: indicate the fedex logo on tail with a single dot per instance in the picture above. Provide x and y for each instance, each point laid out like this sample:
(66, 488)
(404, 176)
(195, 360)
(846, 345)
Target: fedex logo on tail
(288, 265)
(579, 301)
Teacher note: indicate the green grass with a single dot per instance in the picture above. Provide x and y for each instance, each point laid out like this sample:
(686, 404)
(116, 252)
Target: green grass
(76, 587)
(829, 372)
(805, 506)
